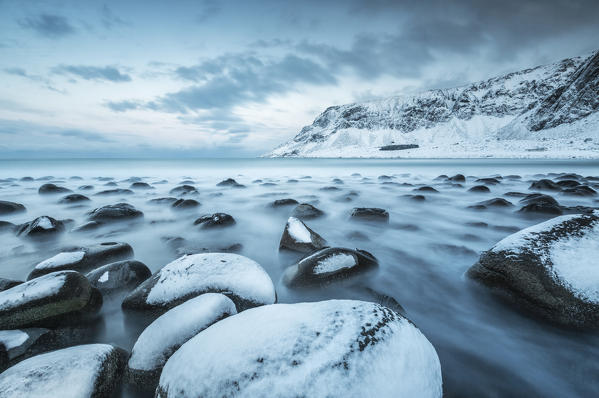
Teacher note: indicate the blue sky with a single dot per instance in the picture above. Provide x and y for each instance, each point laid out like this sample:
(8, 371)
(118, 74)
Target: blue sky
(236, 78)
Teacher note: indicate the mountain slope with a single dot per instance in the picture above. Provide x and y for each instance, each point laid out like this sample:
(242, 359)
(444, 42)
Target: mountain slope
(547, 111)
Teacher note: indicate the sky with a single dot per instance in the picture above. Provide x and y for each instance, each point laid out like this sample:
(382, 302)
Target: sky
(237, 78)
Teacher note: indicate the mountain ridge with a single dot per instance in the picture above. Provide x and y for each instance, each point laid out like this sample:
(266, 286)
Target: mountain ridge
(504, 116)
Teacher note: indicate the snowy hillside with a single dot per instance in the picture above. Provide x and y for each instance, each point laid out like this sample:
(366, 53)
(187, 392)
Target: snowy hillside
(548, 111)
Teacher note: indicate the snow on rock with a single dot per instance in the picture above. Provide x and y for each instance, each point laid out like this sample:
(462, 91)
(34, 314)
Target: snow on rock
(91, 370)
(299, 237)
(43, 226)
(336, 348)
(43, 300)
(12, 338)
(127, 274)
(328, 265)
(548, 111)
(238, 277)
(18, 342)
(84, 259)
(550, 269)
(167, 333)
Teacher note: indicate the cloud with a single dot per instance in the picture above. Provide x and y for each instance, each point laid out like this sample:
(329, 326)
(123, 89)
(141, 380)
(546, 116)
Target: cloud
(108, 73)
(110, 19)
(208, 9)
(122, 106)
(17, 71)
(48, 25)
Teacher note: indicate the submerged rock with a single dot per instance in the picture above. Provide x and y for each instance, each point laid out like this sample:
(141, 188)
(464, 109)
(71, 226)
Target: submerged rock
(370, 214)
(166, 200)
(328, 265)
(549, 269)
(116, 212)
(284, 202)
(306, 211)
(480, 188)
(457, 178)
(74, 198)
(83, 259)
(215, 220)
(425, 189)
(348, 349)
(6, 226)
(170, 331)
(183, 204)
(545, 185)
(141, 185)
(229, 182)
(51, 189)
(184, 190)
(243, 280)
(581, 190)
(120, 275)
(43, 226)
(297, 236)
(117, 191)
(7, 207)
(92, 370)
(45, 300)
(540, 203)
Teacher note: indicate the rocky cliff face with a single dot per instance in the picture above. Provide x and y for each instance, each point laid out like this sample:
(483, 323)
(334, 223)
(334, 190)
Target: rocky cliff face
(463, 120)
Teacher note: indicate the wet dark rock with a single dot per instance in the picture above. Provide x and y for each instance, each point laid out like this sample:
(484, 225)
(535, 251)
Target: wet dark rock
(297, 236)
(488, 181)
(8, 283)
(26, 179)
(457, 178)
(117, 276)
(495, 202)
(330, 188)
(292, 181)
(183, 204)
(118, 191)
(337, 181)
(166, 200)
(83, 259)
(86, 187)
(75, 178)
(141, 185)
(328, 265)
(229, 182)
(540, 268)
(41, 227)
(88, 226)
(513, 177)
(370, 214)
(581, 190)
(305, 211)
(44, 301)
(570, 176)
(568, 183)
(52, 189)
(116, 212)
(415, 198)
(284, 202)
(545, 185)
(516, 194)
(74, 198)
(480, 189)
(540, 203)
(6, 226)
(264, 184)
(7, 207)
(385, 178)
(215, 220)
(425, 189)
(184, 190)
(111, 184)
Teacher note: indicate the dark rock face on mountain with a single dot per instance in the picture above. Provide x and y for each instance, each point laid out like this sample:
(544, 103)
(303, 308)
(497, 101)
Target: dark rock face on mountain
(510, 107)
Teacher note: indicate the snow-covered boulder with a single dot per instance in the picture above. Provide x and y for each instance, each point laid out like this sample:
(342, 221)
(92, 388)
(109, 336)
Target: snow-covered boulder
(166, 334)
(43, 226)
(83, 259)
(43, 301)
(297, 236)
(328, 265)
(305, 211)
(336, 348)
(116, 212)
(92, 370)
(549, 269)
(17, 342)
(117, 276)
(243, 280)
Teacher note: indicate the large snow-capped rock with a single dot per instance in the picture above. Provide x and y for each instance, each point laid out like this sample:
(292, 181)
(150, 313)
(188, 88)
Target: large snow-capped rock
(547, 111)
(91, 370)
(243, 280)
(549, 269)
(336, 348)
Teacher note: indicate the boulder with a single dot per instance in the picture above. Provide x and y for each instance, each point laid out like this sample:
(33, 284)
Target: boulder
(540, 203)
(370, 214)
(48, 299)
(91, 370)
(243, 280)
(297, 236)
(184, 190)
(328, 265)
(74, 198)
(117, 191)
(549, 269)
(545, 185)
(43, 226)
(170, 331)
(141, 186)
(183, 204)
(83, 259)
(52, 189)
(284, 202)
(120, 275)
(425, 189)
(305, 211)
(116, 212)
(86, 187)
(166, 200)
(581, 190)
(335, 348)
(489, 181)
(480, 189)
(215, 220)
(7, 207)
(6, 226)
(457, 178)
(495, 202)
(18, 342)
(229, 182)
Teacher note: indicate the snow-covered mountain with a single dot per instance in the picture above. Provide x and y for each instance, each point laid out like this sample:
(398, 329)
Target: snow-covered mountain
(547, 111)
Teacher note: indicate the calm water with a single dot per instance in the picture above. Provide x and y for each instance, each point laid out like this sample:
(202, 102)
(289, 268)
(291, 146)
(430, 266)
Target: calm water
(486, 348)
